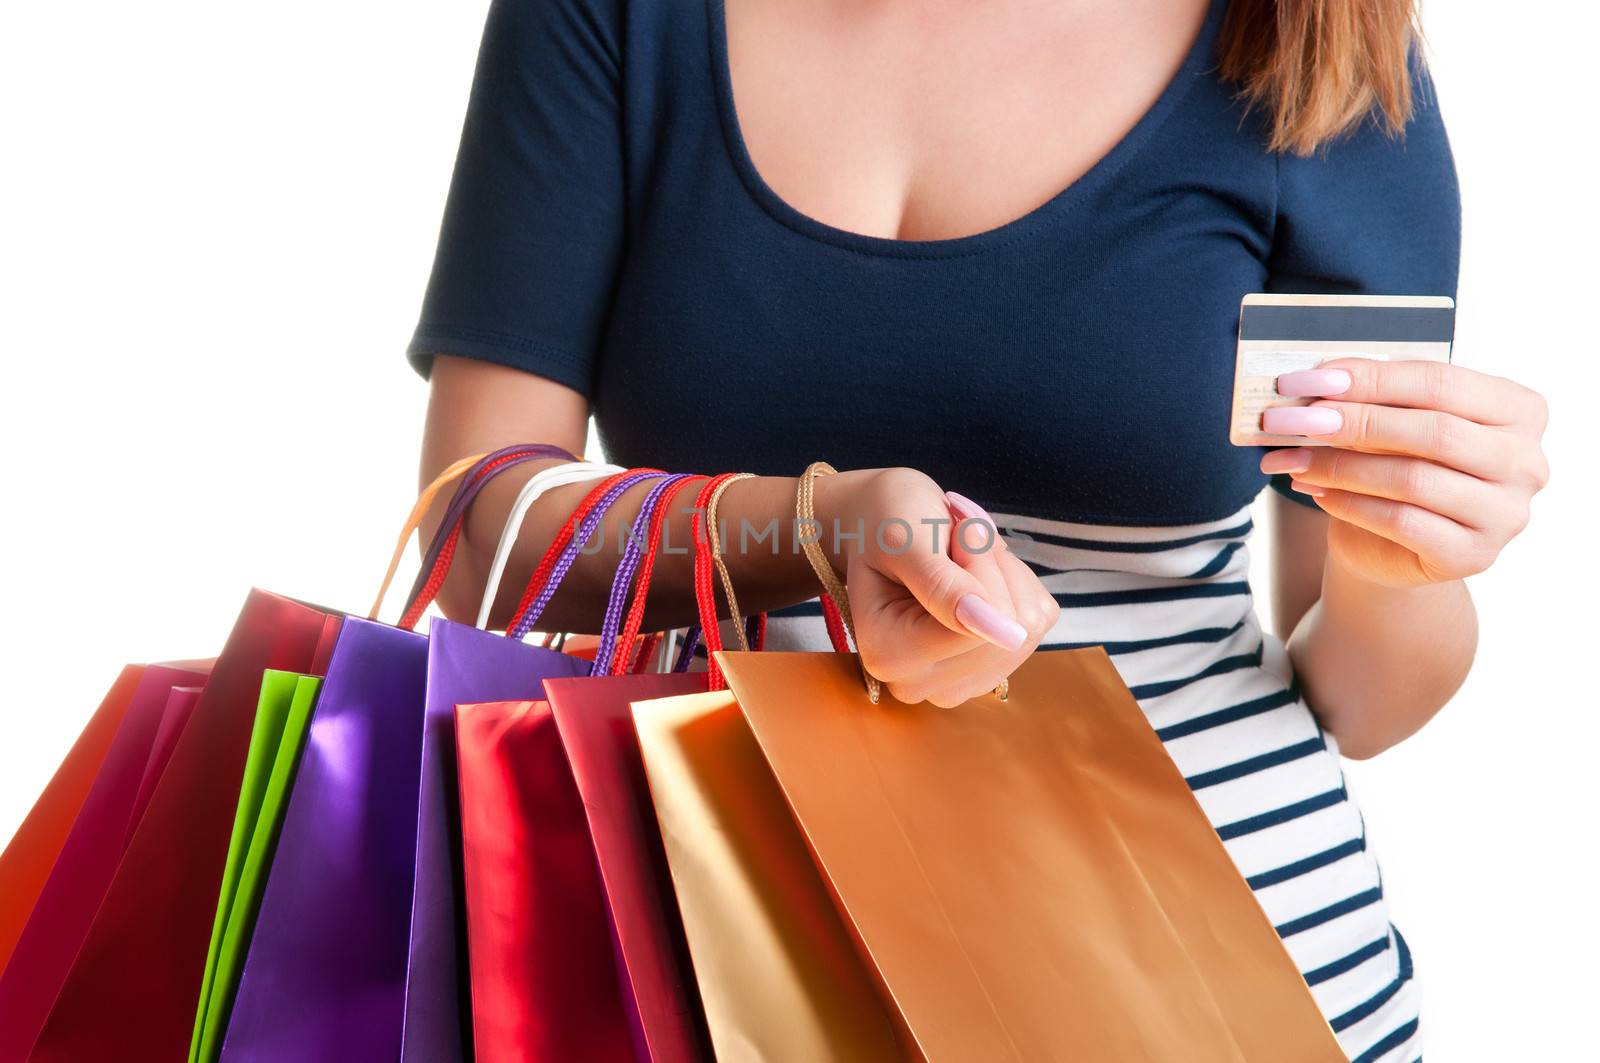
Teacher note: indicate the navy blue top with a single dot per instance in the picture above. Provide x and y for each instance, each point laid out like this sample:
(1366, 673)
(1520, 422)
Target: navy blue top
(607, 229)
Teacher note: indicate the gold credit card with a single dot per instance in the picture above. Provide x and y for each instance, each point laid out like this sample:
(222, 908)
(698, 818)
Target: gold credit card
(1288, 333)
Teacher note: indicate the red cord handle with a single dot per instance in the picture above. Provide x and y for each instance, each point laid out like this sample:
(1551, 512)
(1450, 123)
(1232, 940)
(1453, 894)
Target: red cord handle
(630, 628)
(447, 552)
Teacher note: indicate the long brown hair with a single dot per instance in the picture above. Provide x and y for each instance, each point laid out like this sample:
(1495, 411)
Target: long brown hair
(1320, 68)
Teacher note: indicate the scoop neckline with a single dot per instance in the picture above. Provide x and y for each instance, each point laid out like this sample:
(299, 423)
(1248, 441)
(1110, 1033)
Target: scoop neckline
(1197, 62)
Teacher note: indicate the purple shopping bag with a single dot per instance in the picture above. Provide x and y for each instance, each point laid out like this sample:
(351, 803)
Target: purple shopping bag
(465, 665)
(324, 978)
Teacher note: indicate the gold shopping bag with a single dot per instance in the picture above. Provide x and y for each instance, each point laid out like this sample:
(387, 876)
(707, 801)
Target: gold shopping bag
(779, 977)
(1027, 879)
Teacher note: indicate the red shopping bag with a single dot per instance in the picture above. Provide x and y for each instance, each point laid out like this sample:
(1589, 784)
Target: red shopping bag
(29, 856)
(575, 949)
(131, 993)
(89, 855)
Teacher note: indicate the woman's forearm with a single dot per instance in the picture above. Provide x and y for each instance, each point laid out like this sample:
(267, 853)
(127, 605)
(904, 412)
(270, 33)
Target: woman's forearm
(757, 514)
(1377, 662)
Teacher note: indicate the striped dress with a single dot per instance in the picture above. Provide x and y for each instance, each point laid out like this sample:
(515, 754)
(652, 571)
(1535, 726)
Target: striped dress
(1173, 608)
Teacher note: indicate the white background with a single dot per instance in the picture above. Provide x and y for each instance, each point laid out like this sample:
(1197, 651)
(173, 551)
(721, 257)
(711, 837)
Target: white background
(217, 223)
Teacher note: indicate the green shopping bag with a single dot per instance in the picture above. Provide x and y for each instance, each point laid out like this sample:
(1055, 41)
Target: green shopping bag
(282, 716)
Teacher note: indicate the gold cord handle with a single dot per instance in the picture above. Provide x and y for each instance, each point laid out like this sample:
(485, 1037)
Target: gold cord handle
(414, 521)
(805, 513)
(713, 532)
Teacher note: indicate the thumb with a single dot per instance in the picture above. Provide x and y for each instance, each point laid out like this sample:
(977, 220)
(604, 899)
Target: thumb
(957, 598)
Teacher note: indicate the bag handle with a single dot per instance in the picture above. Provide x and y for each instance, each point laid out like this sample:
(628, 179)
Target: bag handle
(541, 572)
(630, 627)
(833, 590)
(618, 485)
(627, 567)
(440, 554)
(473, 468)
(540, 482)
(707, 556)
(414, 521)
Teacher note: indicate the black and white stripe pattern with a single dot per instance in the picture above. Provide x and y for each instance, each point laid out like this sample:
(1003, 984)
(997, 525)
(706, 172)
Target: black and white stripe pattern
(1173, 608)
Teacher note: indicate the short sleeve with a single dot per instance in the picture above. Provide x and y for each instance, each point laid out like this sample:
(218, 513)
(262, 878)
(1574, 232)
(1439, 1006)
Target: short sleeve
(533, 230)
(1371, 214)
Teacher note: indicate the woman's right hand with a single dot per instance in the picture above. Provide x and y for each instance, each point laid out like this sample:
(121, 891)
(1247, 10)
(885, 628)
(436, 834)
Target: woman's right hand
(943, 610)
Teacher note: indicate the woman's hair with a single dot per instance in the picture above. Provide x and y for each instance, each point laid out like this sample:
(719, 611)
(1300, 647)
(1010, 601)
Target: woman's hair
(1320, 68)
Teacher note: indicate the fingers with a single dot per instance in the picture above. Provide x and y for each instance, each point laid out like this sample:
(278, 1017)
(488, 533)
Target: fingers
(1444, 438)
(1451, 549)
(1464, 499)
(977, 672)
(1422, 385)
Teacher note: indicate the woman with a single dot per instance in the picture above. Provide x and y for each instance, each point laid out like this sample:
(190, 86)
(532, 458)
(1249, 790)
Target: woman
(999, 250)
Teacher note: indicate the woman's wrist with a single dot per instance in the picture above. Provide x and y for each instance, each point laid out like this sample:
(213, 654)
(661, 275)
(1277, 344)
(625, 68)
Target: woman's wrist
(1377, 661)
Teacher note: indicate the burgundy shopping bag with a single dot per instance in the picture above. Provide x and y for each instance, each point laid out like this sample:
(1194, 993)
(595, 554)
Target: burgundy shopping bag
(602, 750)
(110, 813)
(465, 665)
(28, 857)
(324, 977)
(132, 990)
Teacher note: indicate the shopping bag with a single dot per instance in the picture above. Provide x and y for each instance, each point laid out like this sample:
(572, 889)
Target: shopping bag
(544, 982)
(90, 853)
(602, 751)
(550, 977)
(282, 716)
(465, 665)
(132, 989)
(778, 974)
(324, 976)
(31, 852)
(1026, 878)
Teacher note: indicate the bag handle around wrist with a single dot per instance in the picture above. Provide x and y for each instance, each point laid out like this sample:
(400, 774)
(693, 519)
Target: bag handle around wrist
(441, 552)
(627, 566)
(834, 592)
(637, 566)
(542, 481)
(608, 494)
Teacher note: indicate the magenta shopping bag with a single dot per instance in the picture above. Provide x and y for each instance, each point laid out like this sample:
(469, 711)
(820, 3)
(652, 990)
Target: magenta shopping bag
(465, 665)
(88, 859)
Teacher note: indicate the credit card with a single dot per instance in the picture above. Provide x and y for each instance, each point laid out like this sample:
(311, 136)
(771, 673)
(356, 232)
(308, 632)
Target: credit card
(1287, 333)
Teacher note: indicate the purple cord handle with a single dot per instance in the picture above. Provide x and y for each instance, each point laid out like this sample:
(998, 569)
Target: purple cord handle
(564, 563)
(691, 642)
(626, 568)
(467, 490)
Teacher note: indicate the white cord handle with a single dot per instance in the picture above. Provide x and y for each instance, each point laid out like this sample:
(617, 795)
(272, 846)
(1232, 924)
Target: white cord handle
(571, 472)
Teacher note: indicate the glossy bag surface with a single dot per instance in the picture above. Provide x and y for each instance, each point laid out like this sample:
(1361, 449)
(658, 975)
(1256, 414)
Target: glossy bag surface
(324, 977)
(30, 854)
(544, 981)
(282, 717)
(778, 974)
(132, 991)
(602, 751)
(1028, 878)
(464, 665)
(82, 872)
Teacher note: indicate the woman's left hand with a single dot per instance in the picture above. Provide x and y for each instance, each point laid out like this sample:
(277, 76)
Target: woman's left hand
(1431, 466)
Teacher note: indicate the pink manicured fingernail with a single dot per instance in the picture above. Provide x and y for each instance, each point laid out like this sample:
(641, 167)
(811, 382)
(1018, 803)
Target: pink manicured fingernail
(1291, 459)
(1314, 383)
(966, 508)
(989, 623)
(1301, 420)
(1307, 489)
